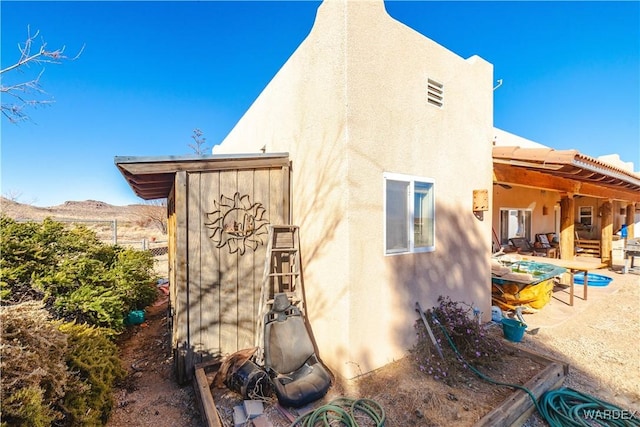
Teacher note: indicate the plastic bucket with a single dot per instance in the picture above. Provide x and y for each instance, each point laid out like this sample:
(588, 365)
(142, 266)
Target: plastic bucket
(592, 279)
(513, 330)
(135, 317)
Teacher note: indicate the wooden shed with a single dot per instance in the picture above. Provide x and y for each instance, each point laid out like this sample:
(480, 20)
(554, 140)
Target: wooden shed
(218, 207)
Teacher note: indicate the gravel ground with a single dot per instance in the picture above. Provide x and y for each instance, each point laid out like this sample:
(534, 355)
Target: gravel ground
(597, 337)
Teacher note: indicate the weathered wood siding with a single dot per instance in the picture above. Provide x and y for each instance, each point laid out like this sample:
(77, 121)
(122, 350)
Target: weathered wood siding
(217, 283)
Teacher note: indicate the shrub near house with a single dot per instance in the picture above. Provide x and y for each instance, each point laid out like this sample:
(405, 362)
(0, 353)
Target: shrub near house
(64, 294)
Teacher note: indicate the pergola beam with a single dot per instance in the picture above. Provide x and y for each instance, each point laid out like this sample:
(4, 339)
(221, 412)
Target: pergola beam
(523, 177)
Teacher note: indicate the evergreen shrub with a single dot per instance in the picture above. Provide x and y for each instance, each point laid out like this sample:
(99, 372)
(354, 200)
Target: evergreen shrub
(63, 296)
(54, 373)
(94, 358)
(80, 278)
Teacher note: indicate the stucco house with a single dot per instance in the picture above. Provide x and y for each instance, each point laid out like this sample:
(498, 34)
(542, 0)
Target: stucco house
(371, 113)
(379, 143)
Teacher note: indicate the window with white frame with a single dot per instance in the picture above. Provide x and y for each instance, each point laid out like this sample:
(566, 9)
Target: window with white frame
(514, 223)
(585, 216)
(409, 214)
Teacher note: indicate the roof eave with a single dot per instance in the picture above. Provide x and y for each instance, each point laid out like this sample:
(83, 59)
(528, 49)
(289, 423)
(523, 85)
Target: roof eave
(152, 177)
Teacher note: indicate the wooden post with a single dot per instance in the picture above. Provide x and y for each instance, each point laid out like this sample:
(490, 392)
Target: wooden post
(181, 317)
(115, 231)
(630, 218)
(606, 232)
(567, 231)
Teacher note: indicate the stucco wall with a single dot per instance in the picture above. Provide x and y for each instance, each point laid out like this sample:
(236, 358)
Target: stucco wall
(528, 199)
(349, 105)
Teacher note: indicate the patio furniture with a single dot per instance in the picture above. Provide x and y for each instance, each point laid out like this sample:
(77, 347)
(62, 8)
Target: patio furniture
(573, 267)
(524, 247)
(543, 241)
(631, 250)
(587, 247)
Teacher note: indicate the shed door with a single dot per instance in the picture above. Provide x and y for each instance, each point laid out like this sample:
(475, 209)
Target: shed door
(227, 215)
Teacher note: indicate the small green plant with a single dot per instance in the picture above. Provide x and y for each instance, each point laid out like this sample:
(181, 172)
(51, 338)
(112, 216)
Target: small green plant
(474, 345)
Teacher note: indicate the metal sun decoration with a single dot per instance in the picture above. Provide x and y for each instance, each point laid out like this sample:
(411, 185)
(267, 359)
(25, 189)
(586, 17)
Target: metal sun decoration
(237, 223)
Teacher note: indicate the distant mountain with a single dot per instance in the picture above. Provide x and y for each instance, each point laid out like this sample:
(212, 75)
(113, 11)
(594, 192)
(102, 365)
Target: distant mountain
(87, 209)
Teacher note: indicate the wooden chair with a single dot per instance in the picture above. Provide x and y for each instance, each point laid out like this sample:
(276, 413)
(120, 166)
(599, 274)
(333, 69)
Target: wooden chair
(545, 245)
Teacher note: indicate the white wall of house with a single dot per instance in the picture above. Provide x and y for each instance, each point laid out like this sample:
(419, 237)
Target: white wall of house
(349, 105)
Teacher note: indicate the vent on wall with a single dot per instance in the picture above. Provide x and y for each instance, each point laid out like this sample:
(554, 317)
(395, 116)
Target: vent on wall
(434, 93)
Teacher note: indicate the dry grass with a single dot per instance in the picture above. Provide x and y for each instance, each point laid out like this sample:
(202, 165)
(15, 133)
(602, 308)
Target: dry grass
(410, 397)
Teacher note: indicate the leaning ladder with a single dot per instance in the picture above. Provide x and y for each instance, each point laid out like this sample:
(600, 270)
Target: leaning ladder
(282, 273)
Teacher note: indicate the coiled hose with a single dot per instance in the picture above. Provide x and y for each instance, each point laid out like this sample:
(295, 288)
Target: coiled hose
(564, 407)
(342, 410)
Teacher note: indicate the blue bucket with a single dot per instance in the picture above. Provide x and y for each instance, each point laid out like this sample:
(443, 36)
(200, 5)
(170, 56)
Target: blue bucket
(513, 330)
(592, 279)
(135, 317)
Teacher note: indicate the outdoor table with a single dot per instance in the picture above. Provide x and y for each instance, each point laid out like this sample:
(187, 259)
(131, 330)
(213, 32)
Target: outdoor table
(573, 267)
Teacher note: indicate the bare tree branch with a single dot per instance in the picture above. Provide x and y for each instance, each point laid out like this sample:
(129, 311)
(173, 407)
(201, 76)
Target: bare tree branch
(26, 94)
(198, 146)
(154, 212)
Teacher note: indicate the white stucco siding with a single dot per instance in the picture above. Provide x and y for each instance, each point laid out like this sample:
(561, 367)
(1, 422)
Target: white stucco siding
(349, 105)
(303, 111)
(392, 128)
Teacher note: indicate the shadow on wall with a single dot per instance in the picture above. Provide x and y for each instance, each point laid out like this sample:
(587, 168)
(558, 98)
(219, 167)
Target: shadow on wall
(223, 298)
(458, 268)
(319, 209)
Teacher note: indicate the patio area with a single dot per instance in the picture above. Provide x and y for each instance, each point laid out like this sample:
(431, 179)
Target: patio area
(596, 337)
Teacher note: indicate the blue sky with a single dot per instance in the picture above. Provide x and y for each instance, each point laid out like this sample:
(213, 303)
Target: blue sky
(153, 71)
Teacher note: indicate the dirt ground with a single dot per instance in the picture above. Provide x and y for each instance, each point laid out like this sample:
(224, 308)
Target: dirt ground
(597, 338)
(149, 395)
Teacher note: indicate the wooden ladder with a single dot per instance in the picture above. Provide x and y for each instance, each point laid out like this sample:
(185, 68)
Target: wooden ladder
(282, 273)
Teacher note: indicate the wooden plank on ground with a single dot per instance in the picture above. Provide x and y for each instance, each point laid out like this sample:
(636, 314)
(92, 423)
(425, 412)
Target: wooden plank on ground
(204, 397)
(519, 404)
(537, 357)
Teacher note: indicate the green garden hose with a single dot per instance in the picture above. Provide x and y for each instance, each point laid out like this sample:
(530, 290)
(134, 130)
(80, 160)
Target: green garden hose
(565, 407)
(342, 410)
(568, 407)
